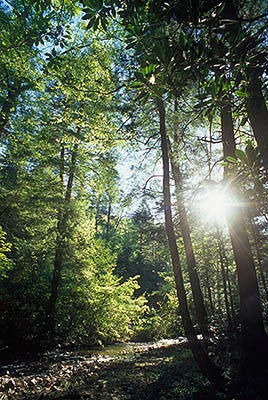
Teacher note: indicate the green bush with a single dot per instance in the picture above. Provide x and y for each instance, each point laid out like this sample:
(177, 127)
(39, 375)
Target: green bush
(5, 247)
(94, 306)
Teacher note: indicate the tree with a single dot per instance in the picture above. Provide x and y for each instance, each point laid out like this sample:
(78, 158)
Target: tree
(5, 263)
(200, 308)
(252, 329)
(48, 127)
(195, 39)
(25, 26)
(140, 253)
(63, 215)
(213, 373)
(60, 185)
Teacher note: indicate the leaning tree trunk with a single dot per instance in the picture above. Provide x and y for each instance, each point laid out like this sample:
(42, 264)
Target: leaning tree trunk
(212, 372)
(253, 337)
(201, 312)
(63, 216)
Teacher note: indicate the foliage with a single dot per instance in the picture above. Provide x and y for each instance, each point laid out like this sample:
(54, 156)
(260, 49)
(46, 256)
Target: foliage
(5, 247)
(164, 319)
(83, 86)
(139, 252)
(66, 109)
(94, 306)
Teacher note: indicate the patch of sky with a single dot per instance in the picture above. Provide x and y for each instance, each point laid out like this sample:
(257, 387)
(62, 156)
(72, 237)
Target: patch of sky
(140, 175)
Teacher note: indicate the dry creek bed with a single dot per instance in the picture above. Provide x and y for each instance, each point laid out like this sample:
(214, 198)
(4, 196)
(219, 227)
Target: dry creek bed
(126, 371)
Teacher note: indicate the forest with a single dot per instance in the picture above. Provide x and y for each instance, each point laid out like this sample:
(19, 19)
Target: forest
(134, 194)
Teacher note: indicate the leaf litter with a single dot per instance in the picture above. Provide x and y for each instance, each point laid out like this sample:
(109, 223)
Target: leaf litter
(132, 373)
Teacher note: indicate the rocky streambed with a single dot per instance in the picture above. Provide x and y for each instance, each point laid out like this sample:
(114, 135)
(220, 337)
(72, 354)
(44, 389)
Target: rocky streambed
(121, 371)
(163, 370)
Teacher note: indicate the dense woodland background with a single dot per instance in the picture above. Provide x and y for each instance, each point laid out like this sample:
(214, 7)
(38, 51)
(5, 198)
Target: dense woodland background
(133, 170)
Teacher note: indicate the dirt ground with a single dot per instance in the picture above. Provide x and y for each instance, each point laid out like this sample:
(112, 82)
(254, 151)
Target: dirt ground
(160, 371)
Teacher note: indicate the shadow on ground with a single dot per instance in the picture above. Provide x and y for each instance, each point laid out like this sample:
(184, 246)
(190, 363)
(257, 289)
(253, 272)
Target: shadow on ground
(148, 373)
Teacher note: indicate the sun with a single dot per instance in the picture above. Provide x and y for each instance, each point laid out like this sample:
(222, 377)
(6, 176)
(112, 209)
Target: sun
(214, 203)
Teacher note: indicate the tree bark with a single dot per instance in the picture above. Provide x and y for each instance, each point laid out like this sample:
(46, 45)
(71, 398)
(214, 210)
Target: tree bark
(258, 116)
(253, 337)
(234, 316)
(212, 372)
(255, 103)
(224, 280)
(258, 256)
(201, 312)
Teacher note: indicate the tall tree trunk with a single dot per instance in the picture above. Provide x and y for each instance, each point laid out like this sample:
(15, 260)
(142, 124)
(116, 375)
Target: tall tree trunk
(208, 283)
(218, 294)
(201, 312)
(258, 116)
(209, 294)
(212, 372)
(255, 103)
(63, 216)
(253, 337)
(258, 256)
(224, 279)
(234, 317)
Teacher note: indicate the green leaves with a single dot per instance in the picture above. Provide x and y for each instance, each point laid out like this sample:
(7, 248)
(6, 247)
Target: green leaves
(104, 308)
(135, 85)
(241, 156)
(144, 83)
(241, 94)
(148, 69)
(143, 97)
(231, 159)
(182, 40)
(98, 13)
(251, 154)
(248, 158)
(5, 262)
